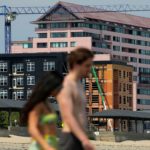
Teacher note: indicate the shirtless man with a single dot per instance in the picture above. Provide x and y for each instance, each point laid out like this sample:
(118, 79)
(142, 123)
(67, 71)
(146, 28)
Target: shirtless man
(72, 102)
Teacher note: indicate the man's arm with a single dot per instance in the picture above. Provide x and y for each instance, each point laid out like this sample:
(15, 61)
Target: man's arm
(66, 106)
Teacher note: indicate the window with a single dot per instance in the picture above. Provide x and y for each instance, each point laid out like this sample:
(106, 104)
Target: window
(94, 110)
(58, 25)
(124, 87)
(130, 89)
(124, 100)
(95, 99)
(42, 26)
(58, 44)
(3, 94)
(107, 37)
(19, 81)
(30, 66)
(145, 80)
(143, 101)
(144, 70)
(77, 34)
(42, 35)
(94, 86)
(17, 68)
(144, 52)
(130, 76)
(124, 74)
(120, 99)
(133, 59)
(116, 48)
(3, 80)
(41, 45)
(31, 80)
(120, 87)
(116, 39)
(120, 74)
(73, 44)
(29, 92)
(27, 45)
(3, 67)
(49, 66)
(144, 61)
(18, 95)
(143, 91)
(58, 34)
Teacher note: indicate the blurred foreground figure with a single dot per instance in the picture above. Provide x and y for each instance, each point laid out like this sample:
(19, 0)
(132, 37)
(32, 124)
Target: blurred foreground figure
(39, 115)
(72, 102)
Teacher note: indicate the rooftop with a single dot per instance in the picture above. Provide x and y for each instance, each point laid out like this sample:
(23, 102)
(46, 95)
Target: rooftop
(87, 12)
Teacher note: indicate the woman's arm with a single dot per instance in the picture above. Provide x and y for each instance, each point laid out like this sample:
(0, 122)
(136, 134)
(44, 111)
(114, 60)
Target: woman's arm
(33, 128)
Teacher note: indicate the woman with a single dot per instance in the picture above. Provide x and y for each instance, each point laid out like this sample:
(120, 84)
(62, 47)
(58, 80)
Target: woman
(38, 114)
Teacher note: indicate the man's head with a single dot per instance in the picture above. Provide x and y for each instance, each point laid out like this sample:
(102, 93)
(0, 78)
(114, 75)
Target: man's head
(81, 60)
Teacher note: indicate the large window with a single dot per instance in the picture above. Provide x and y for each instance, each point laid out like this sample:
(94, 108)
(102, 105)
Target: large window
(17, 68)
(144, 70)
(133, 59)
(58, 34)
(30, 80)
(144, 52)
(58, 25)
(145, 80)
(42, 35)
(3, 80)
(3, 67)
(95, 98)
(27, 45)
(144, 61)
(116, 48)
(30, 66)
(58, 44)
(19, 81)
(3, 94)
(41, 45)
(94, 110)
(73, 44)
(18, 95)
(42, 26)
(143, 101)
(143, 91)
(49, 66)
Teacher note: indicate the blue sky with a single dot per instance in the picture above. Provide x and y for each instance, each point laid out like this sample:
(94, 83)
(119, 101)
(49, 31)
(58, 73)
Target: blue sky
(22, 29)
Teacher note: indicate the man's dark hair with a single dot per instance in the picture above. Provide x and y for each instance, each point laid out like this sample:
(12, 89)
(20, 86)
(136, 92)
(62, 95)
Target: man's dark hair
(78, 56)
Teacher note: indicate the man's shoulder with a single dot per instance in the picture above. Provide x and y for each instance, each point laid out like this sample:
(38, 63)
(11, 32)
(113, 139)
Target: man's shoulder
(69, 82)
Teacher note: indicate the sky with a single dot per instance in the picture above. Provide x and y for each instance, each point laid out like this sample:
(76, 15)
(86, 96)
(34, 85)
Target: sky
(22, 27)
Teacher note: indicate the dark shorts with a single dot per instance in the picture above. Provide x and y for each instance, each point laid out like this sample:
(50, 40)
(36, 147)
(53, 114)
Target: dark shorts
(68, 141)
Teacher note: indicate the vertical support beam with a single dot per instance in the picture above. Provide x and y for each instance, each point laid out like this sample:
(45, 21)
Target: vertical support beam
(114, 121)
(9, 117)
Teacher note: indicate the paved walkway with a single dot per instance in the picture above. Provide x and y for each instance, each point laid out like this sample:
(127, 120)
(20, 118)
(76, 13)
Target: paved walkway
(21, 143)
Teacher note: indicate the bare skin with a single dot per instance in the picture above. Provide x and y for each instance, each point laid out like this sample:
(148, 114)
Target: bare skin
(72, 103)
(36, 130)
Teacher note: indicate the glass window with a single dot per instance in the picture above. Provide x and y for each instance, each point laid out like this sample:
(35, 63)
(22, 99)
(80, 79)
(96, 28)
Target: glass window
(144, 52)
(58, 34)
(42, 26)
(116, 48)
(19, 81)
(144, 61)
(42, 35)
(58, 44)
(116, 39)
(58, 25)
(3, 80)
(49, 66)
(143, 101)
(73, 44)
(95, 98)
(17, 68)
(41, 45)
(133, 59)
(30, 80)
(94, 110)
(30, 66)
(3, 94)
(3, 67)
(144, 91)
(27, 45)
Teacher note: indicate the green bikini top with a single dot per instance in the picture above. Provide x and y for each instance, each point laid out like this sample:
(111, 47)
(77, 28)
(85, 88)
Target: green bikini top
(48, 119)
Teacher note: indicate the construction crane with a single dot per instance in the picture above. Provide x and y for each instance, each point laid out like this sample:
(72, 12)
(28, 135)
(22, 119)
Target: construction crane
(10, 14)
